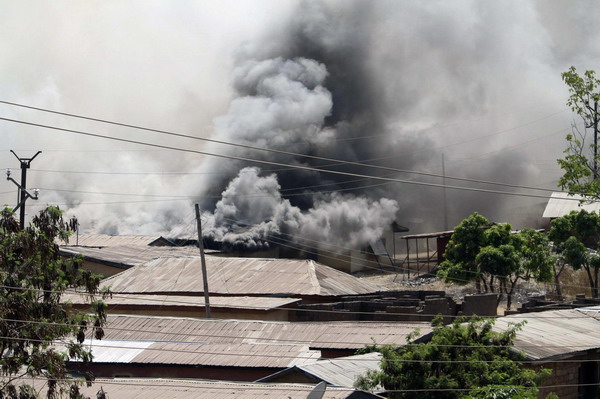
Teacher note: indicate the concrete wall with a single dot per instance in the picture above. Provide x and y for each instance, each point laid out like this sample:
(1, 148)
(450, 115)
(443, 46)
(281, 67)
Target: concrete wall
(349, 261)
(480, 304)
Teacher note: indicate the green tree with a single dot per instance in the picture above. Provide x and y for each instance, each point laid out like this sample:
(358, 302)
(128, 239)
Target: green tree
(496, 257)
(580, 163)
(461, 360)
(32, 317)
(465, 244)
(576, 239)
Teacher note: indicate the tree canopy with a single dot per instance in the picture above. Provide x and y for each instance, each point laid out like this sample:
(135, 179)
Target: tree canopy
(33, 277)
(581, 161)
(576, 239)
(465, 360)
(495, 257)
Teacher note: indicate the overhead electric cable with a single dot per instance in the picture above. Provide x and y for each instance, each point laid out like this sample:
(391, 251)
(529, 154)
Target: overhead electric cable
(301, 167)
(250, 386)
(246, 146)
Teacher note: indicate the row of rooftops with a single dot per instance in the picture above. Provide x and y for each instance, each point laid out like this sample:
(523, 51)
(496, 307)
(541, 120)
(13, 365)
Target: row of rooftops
(169, 277)
(295, 349)
(160, 388)
(546, 336)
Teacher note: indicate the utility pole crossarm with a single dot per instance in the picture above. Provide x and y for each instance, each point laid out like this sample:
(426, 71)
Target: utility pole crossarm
(23, 193)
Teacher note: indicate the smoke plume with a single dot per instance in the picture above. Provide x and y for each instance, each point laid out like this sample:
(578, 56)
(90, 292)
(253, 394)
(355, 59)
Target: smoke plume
(254, 204)
(399, 84)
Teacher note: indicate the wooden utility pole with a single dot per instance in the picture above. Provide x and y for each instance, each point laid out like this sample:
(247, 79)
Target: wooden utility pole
(204, 276)
(444, 193)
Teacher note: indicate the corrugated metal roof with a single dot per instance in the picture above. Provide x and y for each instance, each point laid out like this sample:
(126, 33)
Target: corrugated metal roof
(341, 371)
(105, 240)
(234, 302)
(555, 334)
(561, 204)
(238, 276)
(429, 235)
(136, 388)
(105, 351)
(126, 256)
(322, 335)
(201, 354)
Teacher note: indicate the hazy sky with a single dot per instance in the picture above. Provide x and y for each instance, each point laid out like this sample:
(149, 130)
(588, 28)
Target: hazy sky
(476, 80)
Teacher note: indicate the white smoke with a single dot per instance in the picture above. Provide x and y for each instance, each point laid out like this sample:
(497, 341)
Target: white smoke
(281, 105)
(254, 205)
(477, 81)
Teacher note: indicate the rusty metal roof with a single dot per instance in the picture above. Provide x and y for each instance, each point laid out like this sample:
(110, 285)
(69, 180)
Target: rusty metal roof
(232, 302)
(200, 354)
(238, 276)
(105, 240)
(429, 235)
(126, 256)
(321, 335)
(555, 334)
(159, 388)
(341, 371)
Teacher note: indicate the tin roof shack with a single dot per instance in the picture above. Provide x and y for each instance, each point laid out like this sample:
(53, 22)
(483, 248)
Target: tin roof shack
(340, 372)
(333, 339)
(222, 307)
(566, 341)
(424, 252)
(160, 388)
(293, 278)
(561, 204)
(110, 260)
(373, 256)
(199, 360)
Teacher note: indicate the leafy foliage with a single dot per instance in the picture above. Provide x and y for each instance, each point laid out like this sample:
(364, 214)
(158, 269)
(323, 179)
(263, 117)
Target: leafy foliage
(580, 165)
(467, 240)
(461, 360)
(576, 238)
(496, 257)
(33, 278)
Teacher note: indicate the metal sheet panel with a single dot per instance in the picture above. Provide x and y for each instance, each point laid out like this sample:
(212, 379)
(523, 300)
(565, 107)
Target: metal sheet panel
(155, 388)
(105, 240)
(555, 334)
(127, 255)
(343, 371)
(231, 302)
(561, 204)
(113, 351)
(328, 335)
(230, 355)
(238, 276)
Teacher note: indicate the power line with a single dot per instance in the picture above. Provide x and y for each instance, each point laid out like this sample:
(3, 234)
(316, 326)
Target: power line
(298, 356)
(285, 387)
(137, 127)
(337, 161)
(301, 167)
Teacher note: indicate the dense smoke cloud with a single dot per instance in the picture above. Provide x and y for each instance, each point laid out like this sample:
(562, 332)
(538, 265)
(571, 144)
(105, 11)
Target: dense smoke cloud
(394, 83)
(252, 212)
